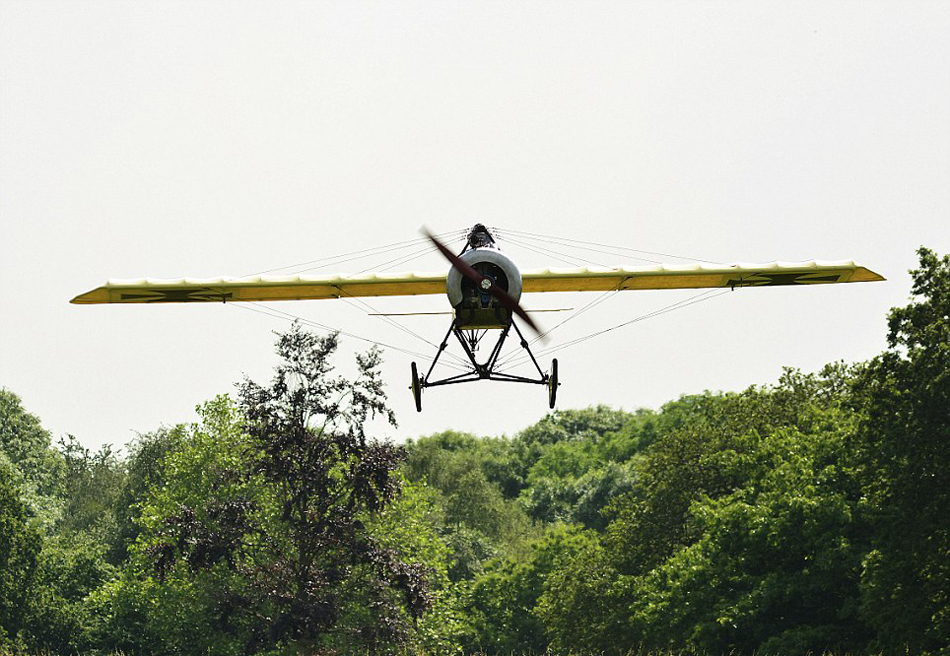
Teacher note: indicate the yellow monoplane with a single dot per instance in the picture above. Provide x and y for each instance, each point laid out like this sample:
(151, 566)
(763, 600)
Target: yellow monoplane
(484, 287)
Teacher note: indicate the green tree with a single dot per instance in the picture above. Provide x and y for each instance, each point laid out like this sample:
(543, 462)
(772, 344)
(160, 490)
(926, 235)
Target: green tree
(70, 567)
(583, 607)
(145, 469)
(174, 597)
(906, 400)
(590, 425)
(92, 483)
(777, 564)
(470, 476)
(745, 530)
(261, 530)
(37, 468)
(502, 606)
(413, 526)
(709, 455)
(709, 450)
(20, 545)
(597, 489)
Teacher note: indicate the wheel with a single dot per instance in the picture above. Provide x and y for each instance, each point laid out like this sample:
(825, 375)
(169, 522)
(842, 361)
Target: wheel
(552, 384)
(416, 388)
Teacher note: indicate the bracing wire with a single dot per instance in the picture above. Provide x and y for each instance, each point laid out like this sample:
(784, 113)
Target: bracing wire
(565, 241)
(353, 300)
(363, 254)
(610, 293)
(591, 249)
(287, 316)
(518, 358)
(696, 298)
(389, 264)
(415, 255)
(353, 255)
(553, 253)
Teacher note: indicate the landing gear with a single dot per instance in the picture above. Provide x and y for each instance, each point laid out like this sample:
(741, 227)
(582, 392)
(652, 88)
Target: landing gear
(416, 388)
(469, 339)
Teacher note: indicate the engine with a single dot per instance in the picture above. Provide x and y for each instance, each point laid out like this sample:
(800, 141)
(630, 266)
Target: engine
(474, 306)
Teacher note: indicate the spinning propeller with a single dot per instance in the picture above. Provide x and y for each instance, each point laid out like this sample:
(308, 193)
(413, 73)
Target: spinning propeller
(483, 283)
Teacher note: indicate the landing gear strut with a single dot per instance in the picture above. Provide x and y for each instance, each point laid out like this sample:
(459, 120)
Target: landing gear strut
(483, 370)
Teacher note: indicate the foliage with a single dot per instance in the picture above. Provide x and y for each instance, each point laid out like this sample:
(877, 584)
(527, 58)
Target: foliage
(70, 567)
(36, 467)
(580, 606)
(412, 526)
(145, 469)
(807, 515)
(905, 431)
(261, 525)
(775, 568)
(480, 523)
(91, 484)
(19, 546)
(502, 605)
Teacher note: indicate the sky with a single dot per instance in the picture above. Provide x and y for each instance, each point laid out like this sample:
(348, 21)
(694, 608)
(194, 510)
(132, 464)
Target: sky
(170, 139)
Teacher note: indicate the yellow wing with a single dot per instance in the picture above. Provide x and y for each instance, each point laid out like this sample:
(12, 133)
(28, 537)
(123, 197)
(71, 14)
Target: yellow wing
(284, 288)
(262, 288)
(696, 276)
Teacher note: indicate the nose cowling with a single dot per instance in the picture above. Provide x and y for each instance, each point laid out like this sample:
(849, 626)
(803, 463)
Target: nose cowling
(491, 263)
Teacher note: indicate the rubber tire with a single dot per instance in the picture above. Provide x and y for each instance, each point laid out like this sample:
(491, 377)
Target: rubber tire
(553, 385)
(416, 388)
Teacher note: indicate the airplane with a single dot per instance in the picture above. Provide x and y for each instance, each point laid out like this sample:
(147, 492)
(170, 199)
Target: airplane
(484, 287)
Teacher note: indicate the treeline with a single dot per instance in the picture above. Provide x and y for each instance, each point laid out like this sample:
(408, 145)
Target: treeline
(807, 515)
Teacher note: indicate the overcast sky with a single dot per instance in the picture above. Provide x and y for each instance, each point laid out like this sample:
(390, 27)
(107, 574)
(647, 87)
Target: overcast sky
(175, 139)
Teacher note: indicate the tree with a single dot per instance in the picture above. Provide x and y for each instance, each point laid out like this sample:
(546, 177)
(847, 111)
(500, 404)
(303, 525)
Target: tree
(745, 530)
(71, 566)
(92, 482)
(590, 425)
(502, 608)
(145, 468)
(581, 608)
(19, 547)
(905, 395)
(471, 475)
(37, 468)
(776, 566)
(279, 522)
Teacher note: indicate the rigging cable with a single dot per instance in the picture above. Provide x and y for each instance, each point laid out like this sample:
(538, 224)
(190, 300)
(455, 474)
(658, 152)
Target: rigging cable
(597, 301)
(548, 251)
(588, 248)
(568, 241)
(513, 358)
(353, 300)
(389, 264)
(349, 257)
(696, 298)
(287, 316)
(600, 299)
(362, 254)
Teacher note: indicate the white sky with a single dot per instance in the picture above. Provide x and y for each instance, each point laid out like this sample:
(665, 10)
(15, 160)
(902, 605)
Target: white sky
(176, 138)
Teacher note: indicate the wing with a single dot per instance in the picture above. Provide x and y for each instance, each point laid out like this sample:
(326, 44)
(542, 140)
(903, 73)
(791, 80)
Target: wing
(286, 288)
(262, 288)
(696, 276)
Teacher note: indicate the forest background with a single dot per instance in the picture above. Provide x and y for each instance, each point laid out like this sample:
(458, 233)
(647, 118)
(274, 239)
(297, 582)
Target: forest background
(805, 515)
